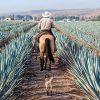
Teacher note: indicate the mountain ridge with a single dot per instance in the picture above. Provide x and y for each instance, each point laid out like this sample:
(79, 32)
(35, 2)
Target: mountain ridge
(87, 12)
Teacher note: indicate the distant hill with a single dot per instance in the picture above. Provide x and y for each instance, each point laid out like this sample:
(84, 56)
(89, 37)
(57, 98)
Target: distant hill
(77, 12)
(31, 12)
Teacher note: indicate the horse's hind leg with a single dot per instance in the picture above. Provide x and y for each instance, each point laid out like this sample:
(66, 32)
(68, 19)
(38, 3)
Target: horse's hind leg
(46, 60)
(51, 93)
(41, 61)
(47, 93)
(49, 65)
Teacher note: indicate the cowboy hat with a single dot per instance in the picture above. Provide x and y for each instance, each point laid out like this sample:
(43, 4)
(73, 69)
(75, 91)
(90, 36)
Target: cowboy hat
(46, 14)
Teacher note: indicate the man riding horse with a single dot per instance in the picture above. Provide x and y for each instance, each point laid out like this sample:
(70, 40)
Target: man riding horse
(46, 40)
(45, 25)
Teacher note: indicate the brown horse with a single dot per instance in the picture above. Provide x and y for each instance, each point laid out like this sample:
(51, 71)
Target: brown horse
(46, 47)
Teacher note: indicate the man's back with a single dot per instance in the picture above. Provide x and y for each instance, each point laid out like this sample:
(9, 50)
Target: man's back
(45, 24)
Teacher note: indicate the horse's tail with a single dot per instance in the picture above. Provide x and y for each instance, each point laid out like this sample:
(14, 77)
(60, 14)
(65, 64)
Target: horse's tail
(48, 50)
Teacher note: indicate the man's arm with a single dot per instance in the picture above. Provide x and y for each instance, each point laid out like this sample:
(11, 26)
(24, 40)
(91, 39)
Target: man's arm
(57, 28)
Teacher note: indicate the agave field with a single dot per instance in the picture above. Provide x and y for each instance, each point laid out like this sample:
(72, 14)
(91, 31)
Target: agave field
(10, 28)
(88, 32)
(14, 57)
(83, 64)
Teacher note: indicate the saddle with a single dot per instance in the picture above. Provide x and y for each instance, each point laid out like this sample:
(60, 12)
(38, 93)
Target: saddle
(41, 33)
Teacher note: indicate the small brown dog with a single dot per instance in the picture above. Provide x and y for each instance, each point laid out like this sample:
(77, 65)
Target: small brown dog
(48, 83)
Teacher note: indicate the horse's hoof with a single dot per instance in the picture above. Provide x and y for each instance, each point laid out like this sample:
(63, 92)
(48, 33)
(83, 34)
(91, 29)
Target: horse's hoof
(41, 70)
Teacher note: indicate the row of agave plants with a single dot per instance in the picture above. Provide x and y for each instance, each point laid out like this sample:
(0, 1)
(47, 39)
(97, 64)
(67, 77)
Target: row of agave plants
(87, 31)
(7, 26)
(83, 64)
(7, 29)
(12, 61)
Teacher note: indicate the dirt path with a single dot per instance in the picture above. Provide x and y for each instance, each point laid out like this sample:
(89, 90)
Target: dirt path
(32, 86)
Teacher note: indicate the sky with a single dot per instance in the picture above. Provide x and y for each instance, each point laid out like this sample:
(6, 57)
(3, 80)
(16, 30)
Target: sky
(8, 6)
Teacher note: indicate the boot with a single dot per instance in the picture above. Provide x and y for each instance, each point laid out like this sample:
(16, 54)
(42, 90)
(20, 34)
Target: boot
(36, 46)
